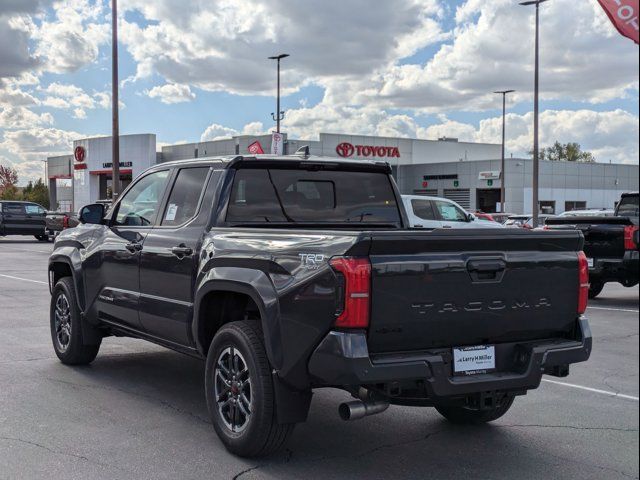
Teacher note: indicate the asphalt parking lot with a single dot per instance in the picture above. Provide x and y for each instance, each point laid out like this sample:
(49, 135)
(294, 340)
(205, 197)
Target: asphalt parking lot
(139, 411)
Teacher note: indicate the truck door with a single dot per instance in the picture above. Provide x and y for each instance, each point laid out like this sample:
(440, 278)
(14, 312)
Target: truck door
(14, 218)
(451, 215)
(169, 259)
(112, 271)
(35, 218)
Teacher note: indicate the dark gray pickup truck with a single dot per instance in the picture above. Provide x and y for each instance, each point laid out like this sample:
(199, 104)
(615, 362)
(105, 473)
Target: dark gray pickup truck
(288, 274)
(611, 244)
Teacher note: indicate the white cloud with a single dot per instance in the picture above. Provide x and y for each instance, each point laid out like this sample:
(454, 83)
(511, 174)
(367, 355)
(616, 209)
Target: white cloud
(72, 39)
(611, 135)
(217, 132)
(492, 49)
(224, 45)
(22, 117)
(172, 93)
(68, 96)
(38, 143)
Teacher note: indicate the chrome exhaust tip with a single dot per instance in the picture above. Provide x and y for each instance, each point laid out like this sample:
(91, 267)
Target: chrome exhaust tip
(357, 409)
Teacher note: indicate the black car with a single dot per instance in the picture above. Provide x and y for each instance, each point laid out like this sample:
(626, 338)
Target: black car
(22, 218)
(288, 274)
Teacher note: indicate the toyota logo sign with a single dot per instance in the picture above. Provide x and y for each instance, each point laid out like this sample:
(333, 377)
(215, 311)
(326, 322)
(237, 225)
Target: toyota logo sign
(345, 150)
(79, 154)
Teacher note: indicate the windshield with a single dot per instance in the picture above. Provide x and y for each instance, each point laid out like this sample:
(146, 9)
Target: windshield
(314, 197)
(628, 206)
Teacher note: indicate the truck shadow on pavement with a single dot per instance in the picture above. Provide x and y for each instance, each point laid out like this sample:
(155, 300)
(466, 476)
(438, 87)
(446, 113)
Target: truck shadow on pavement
(400, 443)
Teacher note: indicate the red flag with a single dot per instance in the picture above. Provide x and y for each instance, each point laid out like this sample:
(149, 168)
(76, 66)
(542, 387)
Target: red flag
(624, 16)
(255, 148)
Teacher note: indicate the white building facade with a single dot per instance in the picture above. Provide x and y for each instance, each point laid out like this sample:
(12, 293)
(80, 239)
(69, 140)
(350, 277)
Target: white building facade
(468, 173)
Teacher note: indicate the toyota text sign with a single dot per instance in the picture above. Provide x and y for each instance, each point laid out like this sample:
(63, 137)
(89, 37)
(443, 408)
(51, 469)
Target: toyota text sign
(347, 150)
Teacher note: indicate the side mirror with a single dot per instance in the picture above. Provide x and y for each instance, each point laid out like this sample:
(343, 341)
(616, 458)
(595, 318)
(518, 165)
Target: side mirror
(91, 214)
(470, 217)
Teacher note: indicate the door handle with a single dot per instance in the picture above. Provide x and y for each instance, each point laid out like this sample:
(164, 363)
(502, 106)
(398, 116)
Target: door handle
(133, 247)
(182, 251)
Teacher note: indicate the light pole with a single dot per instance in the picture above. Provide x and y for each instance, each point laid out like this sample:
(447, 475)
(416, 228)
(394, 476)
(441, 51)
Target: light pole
(115, 125)
(502, 164)
(536, 111)
(279, 115)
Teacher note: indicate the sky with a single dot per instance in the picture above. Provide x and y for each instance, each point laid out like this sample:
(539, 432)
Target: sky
(193, 70)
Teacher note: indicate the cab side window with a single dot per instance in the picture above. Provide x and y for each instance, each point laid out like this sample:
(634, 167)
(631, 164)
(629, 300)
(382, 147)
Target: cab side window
(34, 210)
(449, 212)
(185, 196)
(423, 209)
(139, 206)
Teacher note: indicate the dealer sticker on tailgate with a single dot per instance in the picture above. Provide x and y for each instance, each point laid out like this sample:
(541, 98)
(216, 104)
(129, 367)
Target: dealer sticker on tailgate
(472, 360)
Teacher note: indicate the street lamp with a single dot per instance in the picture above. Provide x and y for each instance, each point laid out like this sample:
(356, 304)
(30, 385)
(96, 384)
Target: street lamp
(502, 164)
(536, 111)
(115, 124)
(279, 115)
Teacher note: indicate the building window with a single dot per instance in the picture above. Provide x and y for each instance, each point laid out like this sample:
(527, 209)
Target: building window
(548, 207)
(574, 205)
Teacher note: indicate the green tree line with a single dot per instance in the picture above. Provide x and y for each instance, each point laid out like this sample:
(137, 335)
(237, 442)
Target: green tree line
(36, 192)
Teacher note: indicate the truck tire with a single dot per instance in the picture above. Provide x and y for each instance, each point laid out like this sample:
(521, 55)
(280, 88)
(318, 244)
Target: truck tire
(595, 289)
(467, 416)
(66, 326)
(42, 238)
(240, 394)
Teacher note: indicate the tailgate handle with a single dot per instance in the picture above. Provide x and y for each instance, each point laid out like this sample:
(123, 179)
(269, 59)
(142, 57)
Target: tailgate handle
(486, 270)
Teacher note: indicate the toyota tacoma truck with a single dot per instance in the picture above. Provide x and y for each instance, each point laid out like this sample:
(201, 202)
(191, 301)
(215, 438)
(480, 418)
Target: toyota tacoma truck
(611, 244)
(289, 274)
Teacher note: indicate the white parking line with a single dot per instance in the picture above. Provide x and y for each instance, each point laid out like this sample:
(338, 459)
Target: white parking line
(594, 390)
(611, 309)
(23, 279)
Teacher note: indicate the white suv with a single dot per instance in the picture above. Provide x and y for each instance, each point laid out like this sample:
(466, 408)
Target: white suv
(435, 212)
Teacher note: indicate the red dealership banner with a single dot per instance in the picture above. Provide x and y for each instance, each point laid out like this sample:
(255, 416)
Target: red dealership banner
(624, 16)
(255, 148)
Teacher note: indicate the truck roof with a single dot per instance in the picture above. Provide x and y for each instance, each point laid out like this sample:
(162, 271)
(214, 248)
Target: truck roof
(295, 161)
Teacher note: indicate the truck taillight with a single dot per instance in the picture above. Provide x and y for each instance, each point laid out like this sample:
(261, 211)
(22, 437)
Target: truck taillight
(354, 311)
(631, 237)
(65, 222)
(583, 283)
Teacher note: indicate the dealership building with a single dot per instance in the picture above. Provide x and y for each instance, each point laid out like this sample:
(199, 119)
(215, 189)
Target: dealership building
(468, 173)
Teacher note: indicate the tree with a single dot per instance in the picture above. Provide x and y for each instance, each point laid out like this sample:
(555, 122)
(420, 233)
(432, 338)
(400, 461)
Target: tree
(37, 193)
(8, 179)
(568, 152)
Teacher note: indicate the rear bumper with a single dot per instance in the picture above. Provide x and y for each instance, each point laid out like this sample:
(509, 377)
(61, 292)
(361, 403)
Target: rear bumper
(626, 269)
(342, 359)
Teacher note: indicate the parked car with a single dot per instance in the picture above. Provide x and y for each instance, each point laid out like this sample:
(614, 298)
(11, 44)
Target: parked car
(484, 216)
(589, 213)
(22, 218)
(435, 212)
(501, 217)
(55, 222)
(526, 221)
(288, 274)
(611, 244)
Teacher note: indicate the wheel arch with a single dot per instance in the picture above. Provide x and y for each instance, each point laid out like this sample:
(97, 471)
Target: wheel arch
(63, 265)
(240, 283)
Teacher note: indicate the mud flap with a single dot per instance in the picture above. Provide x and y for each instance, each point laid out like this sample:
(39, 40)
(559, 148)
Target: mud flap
(292, 406)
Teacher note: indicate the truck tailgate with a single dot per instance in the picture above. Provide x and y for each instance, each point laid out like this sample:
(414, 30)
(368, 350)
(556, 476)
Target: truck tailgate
(443, 288)
(603, 236)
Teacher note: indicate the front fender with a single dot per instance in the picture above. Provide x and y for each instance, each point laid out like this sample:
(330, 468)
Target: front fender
(70, 256)
(258, 286)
